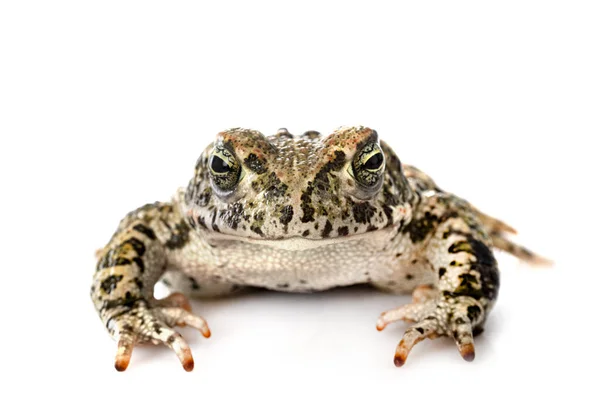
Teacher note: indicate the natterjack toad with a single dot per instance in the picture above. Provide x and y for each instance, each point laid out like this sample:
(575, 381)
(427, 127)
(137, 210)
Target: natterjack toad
(302, 214)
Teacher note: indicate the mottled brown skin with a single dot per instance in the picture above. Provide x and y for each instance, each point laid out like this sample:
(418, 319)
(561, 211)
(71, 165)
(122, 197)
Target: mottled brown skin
(302, 214)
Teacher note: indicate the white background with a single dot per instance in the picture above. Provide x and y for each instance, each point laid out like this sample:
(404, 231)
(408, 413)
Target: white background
(104, 106)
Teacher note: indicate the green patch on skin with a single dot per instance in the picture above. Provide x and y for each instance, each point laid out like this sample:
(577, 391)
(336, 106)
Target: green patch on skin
(462, 246)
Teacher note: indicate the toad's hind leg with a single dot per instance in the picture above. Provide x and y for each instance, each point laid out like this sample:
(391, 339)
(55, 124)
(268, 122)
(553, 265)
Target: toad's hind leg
(466, 289)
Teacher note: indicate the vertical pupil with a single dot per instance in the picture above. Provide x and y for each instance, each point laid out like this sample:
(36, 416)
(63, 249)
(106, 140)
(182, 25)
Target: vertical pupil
(374, 161)
(219, 165)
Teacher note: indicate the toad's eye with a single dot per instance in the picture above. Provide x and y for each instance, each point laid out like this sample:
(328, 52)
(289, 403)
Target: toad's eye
(218, 165)
(374, 162)
(368, 165)
(224, 169)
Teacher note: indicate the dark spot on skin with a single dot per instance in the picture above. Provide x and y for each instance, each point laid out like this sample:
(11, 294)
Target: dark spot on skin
(287, 213)
(483, 253)
(302, 281)
(468, 286)
(274, 187)
(399, 254)
(413, 262)
(201, 222)
(409, 277)
(390, 200)
(110, 260)
(255, 164)
(179, 236)
(283, 285)
(305, 233)
(473, 312)
(308, 210)
(327, 229)
(388, 214)
(441, 272)
(363, 212)
(257, 230)
(215, 227)
(145, 230)
(232, 215)
(110, 283)
(371, 228)
(449, 232)
(343, 231)
(140, 263)
(193, 283)
(419, 228)
(419, 330)
(490, 280)
(126, 304)
(139, 283)
(203, 198)
(136, 244)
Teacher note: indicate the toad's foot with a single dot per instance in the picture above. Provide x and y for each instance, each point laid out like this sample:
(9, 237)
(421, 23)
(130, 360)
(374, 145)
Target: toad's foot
(444, 315)
(144, 322)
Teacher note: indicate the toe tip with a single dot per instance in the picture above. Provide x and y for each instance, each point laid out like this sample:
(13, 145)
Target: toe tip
(121, 366)
(399, 360)
(188, 365)
(468, 353)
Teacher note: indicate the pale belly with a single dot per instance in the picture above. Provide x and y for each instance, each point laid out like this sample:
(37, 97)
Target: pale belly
(296, 265)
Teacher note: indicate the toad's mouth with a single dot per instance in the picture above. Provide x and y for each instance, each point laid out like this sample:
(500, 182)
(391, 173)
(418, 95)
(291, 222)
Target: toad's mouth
(297, 243)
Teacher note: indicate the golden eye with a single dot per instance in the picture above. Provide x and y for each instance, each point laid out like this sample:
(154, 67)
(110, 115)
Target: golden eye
(224, 169)
(367, 166)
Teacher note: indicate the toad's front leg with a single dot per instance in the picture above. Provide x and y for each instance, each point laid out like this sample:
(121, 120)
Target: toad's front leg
(123, 286)
(467, 287)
